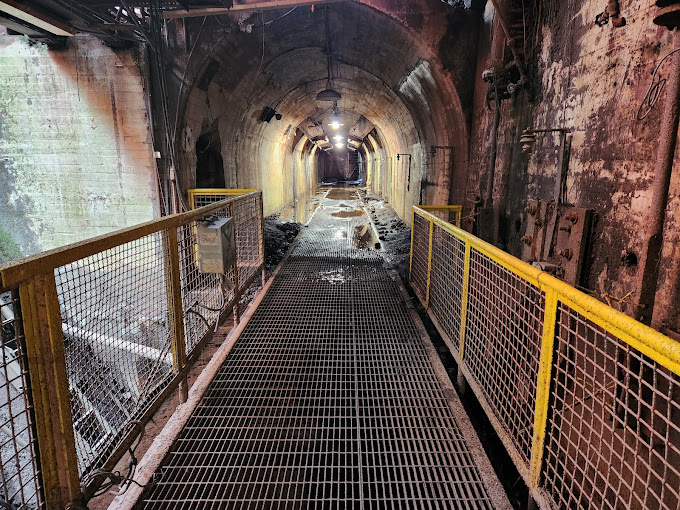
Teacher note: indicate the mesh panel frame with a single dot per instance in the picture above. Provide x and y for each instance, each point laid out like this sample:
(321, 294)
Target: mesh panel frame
(446, 282)
(248, 238)
(613, 434)
(421, 236)
(203, 200)
(115, 308)
(20, 482)
(451, 216)
(502, 345)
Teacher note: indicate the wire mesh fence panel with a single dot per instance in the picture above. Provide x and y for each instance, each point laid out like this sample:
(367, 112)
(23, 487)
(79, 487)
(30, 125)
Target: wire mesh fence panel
(451, 216)
(114, 308)
(502, 345)
(446, 281)
(420, 249)
(328, 400)
(613, 434)
(248, 237)
(19, 474)
(200, 200)
(204, 295)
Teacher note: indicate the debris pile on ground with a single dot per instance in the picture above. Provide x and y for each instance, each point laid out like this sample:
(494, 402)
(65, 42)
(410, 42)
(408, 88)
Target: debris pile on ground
(278, 235)
(394, 234)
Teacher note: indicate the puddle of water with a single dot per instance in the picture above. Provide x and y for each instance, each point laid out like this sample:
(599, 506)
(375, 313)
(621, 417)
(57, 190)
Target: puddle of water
(363, 237)
(342, 194)
(348, 214)
(303, 210)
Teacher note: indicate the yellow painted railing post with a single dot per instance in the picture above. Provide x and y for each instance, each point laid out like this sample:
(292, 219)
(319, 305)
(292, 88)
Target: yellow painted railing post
(50, 391)
(429, 267)
(237, 289)
(260, 198)
(543, 387)
(176, 308)
(464, 299)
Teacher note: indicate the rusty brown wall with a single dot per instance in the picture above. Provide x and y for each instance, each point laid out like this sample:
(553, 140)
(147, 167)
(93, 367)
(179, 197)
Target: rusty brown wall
(593, 80)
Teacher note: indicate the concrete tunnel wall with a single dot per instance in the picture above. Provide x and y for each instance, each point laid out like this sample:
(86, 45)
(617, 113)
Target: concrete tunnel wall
(76, 157)
(385, 70)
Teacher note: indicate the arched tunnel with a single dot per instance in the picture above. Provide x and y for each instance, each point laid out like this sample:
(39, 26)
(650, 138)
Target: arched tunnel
(339, 254)
(397, 102)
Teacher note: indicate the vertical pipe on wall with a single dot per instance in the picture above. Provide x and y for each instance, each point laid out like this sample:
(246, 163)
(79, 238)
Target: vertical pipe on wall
(493, 148)
(653, 233)
(503, 17)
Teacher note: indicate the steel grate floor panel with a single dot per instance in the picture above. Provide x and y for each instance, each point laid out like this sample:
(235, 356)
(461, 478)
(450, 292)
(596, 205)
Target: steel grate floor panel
(327, 400)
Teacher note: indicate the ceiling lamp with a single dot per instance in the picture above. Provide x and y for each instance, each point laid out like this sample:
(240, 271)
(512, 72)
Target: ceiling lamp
(336, 121)
(340, 145)
(329, 94)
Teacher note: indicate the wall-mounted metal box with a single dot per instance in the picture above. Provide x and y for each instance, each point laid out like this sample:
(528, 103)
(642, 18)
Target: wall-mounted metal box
(216, 245)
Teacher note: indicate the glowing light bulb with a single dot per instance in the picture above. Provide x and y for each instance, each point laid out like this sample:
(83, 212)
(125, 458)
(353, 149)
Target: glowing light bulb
(338, 138)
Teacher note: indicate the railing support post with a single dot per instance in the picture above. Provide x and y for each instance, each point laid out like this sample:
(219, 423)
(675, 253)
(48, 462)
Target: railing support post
(429, 267)
(460, 379)
(50, 391)
(543, 388)
(260, 198)
(237, 288)
(179, 353)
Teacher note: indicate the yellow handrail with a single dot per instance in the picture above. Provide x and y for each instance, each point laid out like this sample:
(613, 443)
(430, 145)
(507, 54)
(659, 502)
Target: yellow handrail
(659, 347)
(215, 192)
(153, 260)
(522, 319)
(12, 273)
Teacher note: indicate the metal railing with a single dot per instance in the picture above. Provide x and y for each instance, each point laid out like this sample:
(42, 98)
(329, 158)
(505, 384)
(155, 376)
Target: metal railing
(585, 399)
(201, 197)
(96, 335)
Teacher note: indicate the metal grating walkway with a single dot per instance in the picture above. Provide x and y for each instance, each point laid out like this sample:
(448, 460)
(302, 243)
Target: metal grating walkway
(329, 399)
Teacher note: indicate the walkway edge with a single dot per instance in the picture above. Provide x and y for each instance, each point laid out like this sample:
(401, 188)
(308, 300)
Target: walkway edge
(490, 479)
(153, 458)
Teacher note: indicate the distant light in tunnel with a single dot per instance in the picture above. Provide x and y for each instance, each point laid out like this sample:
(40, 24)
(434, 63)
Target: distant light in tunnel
(338, 138)
(339, 145)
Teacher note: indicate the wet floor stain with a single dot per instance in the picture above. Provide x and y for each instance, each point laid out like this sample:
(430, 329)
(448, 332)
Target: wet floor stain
(342, 194)
(348, 214)
(363, 237)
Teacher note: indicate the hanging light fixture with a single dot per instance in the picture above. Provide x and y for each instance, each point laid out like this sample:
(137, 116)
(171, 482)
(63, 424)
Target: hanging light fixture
(328, 94)
(336, 121)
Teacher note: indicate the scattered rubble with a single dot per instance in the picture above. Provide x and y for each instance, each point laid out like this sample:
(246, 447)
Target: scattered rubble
(394, 234)
(278, 236)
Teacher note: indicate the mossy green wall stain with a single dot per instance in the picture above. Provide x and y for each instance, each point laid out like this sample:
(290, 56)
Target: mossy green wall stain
(9, 249)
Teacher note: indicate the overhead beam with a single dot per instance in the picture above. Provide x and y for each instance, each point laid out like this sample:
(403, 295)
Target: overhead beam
(35, 18)
(251, 6)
